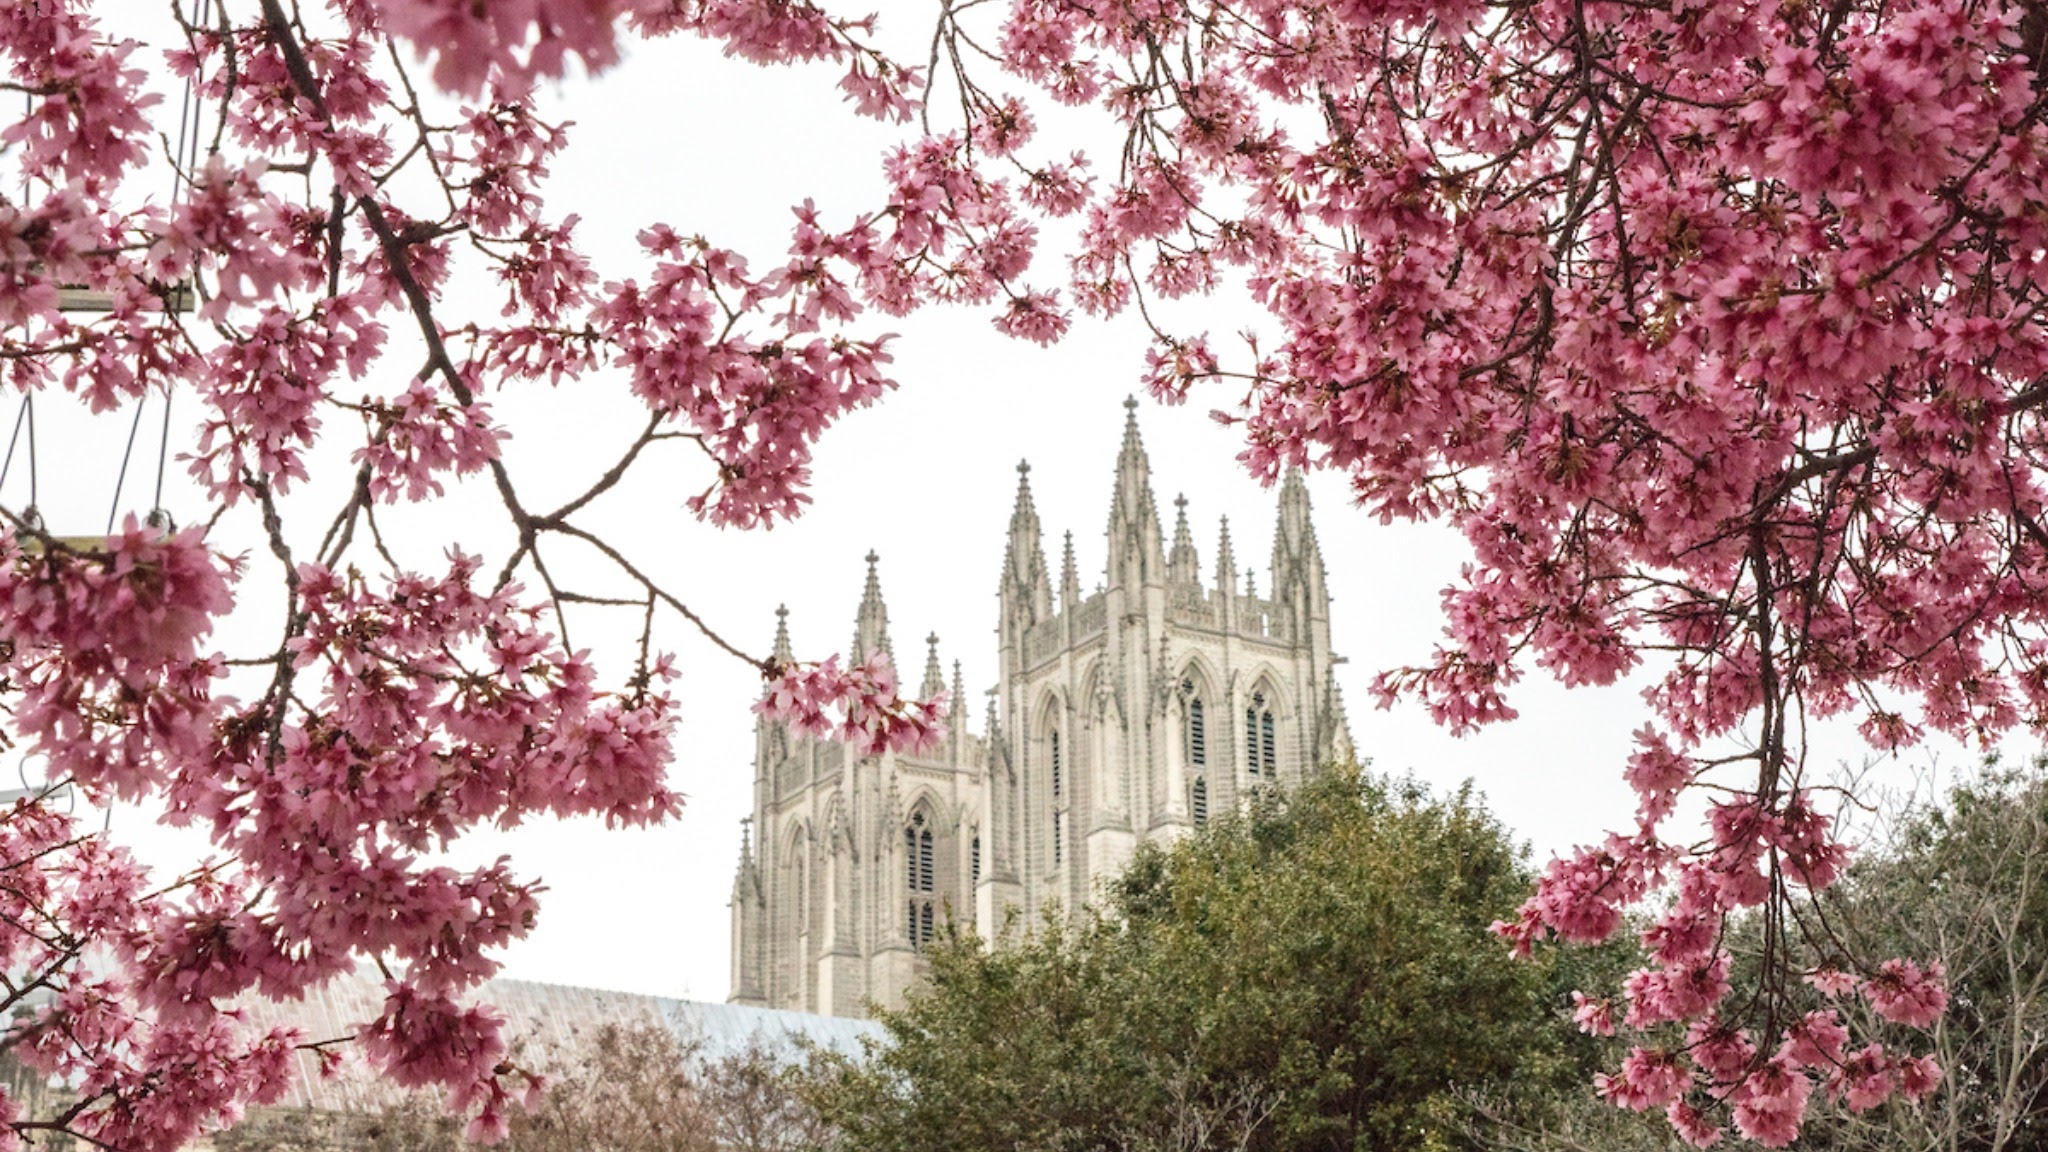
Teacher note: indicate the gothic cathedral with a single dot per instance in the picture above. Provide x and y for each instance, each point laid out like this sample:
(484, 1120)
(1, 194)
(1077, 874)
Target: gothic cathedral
(1123, 715)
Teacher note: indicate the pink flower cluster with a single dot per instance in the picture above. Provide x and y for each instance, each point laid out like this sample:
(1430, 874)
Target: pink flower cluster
(859, 705)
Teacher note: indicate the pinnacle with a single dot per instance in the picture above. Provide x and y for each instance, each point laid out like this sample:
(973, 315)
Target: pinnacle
(1133, 499)
(934, 677)
(871, 623)
(1185, 565)
(1024, 517)
(1226, 562)
(783, 652)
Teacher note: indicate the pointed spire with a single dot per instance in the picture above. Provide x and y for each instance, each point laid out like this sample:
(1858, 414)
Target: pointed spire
(1070, 580)
(871, 623)
(934, 677)
(1292, 533)
(1133, 466)
(1251, 584)
(1226, 562)
(1183, 566)
(1025, 585)
(959, 704)
(783, 654)
(1299, 585)
(1136, 552)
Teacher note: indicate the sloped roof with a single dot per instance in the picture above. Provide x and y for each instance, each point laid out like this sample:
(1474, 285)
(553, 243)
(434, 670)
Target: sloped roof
(550, 1016)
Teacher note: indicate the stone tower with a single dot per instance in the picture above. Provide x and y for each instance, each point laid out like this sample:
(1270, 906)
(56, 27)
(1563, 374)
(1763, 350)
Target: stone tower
(1122, 715)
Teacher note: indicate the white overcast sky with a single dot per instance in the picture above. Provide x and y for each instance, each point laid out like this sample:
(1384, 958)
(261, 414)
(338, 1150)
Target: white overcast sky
(677, 134)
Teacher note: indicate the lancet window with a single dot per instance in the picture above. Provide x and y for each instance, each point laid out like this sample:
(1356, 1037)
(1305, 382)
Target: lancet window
(1260, 757)
(921, 878)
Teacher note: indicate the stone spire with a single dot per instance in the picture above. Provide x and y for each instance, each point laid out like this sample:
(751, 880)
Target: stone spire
(1070, 580)
(1251, 584)
(1025, 589)
(956, 716)
(871, 624)
(1183, 566)
(783, 654)
(1299, 587)
(1136, 553)
(1293, 534)
(934, 677)
(1226, 562)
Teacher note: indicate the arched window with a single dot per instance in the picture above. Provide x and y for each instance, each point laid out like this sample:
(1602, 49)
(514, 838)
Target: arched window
(920, 879)
(1260, 758)
(1198, 800)
(976, 859)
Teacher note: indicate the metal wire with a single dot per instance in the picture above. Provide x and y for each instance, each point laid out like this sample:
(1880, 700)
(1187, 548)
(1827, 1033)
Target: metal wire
(121, 480)
(35, 499)
(163, 454)
(20, 414)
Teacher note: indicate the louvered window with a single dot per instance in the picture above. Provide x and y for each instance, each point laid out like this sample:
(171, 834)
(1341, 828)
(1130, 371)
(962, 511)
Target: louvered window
(921, 878)
(1059, 815)
(1260, 756)
(1055, 745)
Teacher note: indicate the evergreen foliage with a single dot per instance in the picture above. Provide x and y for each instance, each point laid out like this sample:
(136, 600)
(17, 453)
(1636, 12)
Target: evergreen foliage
(1313, 972)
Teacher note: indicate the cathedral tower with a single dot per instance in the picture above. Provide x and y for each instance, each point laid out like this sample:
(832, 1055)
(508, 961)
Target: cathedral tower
(1119, 716)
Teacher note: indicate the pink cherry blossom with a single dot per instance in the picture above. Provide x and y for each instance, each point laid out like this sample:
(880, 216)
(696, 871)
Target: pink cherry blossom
(1903, 992)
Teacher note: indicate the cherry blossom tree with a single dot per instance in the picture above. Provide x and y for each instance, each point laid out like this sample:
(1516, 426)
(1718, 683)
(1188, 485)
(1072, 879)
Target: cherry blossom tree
(302, 264)
(1715, 328)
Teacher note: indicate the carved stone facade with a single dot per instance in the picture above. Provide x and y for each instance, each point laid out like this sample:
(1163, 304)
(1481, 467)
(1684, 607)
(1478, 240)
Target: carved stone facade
(1122, 715)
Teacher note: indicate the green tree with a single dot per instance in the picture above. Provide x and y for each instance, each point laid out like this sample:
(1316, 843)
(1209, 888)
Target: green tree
(1313, 972)
(1966, 881)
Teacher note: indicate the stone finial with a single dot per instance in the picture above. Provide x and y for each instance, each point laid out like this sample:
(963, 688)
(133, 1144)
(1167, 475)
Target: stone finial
(871, 623)
(1070, 580)
(934, 677)
(1183, 566)
(783, 654)
(1025, 586)
(1226, 562)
